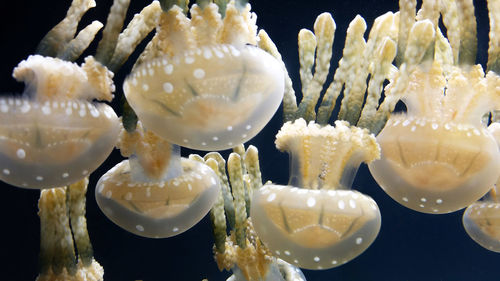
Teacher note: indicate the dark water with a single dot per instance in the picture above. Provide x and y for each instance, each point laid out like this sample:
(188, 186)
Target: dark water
(411, 246)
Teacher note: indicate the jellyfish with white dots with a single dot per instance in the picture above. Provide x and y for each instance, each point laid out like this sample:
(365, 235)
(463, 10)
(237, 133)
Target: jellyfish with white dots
(55, 134)
(481, 219)
(202, 83)
(155, 193)
(316, 221)
(438, 157)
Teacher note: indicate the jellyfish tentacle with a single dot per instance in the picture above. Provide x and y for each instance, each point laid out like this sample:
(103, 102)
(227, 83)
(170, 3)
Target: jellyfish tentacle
(58, 209)
(407, 12)
(307, 49)
(468, 38)
(289, 98)
(217, 215)
(76, 203)
(348, 66)
(226, 191)
(56, 39)
(74, 48)
(354, 95)
(235, 172)
(114, 24)
(137, 29)
(324, 30)
(494, 43)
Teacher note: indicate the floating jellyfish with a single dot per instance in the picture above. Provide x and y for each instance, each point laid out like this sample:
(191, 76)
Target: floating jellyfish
(48, 139)
(316, 222)
(54, 134)
(438, 157)
(203, 84)
(155, 193)
(481, 220)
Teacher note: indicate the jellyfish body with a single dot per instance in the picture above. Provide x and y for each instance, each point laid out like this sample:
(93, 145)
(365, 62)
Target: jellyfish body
(316, 222)
(49, 144)
(315, 229)
(438, 157)
(157, 209)
(54, 135)
(481, 221)
(211, 98)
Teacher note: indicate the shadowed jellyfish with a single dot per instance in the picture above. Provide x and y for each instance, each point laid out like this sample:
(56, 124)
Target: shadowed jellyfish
(438, 157)
(316, 222)
(155, 193)
(481, 220)
(54, 135)
(201, 83)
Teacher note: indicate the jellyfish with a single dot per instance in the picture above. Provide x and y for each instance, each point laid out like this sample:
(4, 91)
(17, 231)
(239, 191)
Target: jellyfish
(481, 219)
(155, 193)
(315, 221)
(54, 134)
(437, 157)
(202, 83)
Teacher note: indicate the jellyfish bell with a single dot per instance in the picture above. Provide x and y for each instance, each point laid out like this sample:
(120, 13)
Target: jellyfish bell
(438, 157)
(157, 209)
(481, 221)
(155, 193)
(51, 136)
(316, 222)
(203, 83)
(211, 98)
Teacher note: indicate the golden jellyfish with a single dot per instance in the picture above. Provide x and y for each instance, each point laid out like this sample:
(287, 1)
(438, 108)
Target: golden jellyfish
(438, 157)
(202, 83)
(316, 222)
(55, 134)
(155, 193)
(481, 220)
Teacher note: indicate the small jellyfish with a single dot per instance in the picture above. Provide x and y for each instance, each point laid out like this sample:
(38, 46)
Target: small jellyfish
(156, 193)
(52, 136)
(438, 157)
(211, 93)
(316, 222)
(481, 220)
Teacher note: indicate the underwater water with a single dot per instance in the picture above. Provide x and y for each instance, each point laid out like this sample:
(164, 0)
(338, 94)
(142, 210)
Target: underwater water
(410, 246)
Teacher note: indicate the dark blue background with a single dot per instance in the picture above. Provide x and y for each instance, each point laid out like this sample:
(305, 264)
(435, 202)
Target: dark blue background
(411, 246)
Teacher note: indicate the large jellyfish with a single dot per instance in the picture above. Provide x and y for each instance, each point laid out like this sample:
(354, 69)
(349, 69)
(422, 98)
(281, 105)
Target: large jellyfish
(203, 83)
(316, 221)
(438, 157)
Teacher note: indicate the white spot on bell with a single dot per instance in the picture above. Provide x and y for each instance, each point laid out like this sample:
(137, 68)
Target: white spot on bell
(199, 73)
(21, 154)
(168, 87)
(168, 69)
(271, 197)
(139, 227)
(311, 202)
(341, 204)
